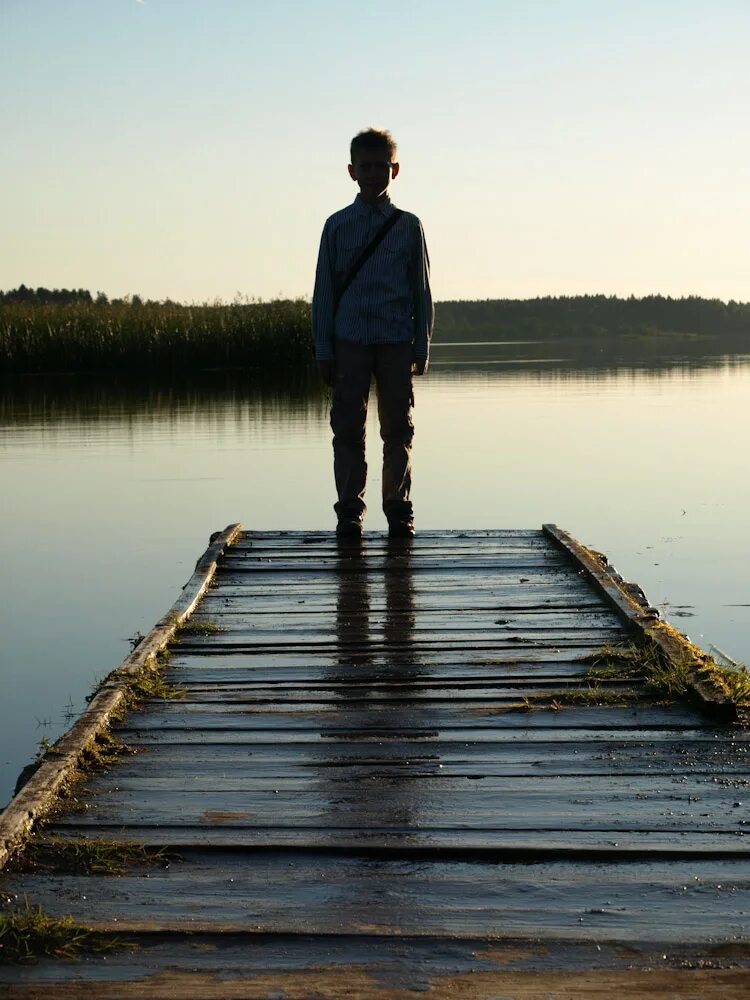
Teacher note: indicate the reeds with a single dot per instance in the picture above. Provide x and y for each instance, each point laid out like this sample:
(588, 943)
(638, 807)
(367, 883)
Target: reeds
(154, 337)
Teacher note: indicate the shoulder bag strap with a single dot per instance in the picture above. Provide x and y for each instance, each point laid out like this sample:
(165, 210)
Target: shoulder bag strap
(365, 255)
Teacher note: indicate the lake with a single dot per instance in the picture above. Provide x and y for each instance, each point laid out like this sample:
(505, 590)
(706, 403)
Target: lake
(111, 490)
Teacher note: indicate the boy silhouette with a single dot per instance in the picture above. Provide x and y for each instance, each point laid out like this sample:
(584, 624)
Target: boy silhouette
(372, 316)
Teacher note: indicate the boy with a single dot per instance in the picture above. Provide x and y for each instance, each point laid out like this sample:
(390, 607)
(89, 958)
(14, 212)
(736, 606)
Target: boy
(372, 316)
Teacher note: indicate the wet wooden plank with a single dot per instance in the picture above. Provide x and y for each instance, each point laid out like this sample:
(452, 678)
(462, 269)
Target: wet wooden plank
(419, 548)
(499, 843)
(274, 601)
(425, 538)
(546, 562)
(682, 793)
(721, 761)
(259, 967)
(141, 736)
(386, 637)
(431, 584)
(268, 772)
(392, 692)
(463, 590)
(336, 624)
(357, 712)
(351, 607)
(427, 660)
(427, 533)
(575, 642)
(323, 717)
(428, 803)
(309, 621)
(197, 672)
(329, 784)
(311, 894)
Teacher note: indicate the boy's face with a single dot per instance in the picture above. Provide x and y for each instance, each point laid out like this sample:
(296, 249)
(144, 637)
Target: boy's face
(373, 171)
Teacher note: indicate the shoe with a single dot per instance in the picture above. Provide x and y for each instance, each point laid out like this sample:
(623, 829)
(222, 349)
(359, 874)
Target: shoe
(401, 529)
(349, 527)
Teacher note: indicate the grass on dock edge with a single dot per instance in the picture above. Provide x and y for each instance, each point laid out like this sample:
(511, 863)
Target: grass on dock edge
(668, 678)
(86, 856)
(27, 933)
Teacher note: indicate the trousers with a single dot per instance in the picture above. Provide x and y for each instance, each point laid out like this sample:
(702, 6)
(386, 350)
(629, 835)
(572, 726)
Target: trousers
(355, 365)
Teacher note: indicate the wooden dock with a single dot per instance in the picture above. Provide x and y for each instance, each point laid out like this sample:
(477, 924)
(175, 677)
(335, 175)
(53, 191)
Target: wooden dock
(376, 783)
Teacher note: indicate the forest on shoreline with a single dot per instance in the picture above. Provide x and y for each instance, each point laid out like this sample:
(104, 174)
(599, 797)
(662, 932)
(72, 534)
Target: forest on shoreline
(56, 330)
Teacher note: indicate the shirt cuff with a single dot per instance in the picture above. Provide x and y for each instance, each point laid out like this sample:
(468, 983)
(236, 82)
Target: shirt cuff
(323, 352)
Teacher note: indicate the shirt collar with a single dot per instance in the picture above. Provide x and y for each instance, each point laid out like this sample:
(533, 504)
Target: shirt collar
(384, 206)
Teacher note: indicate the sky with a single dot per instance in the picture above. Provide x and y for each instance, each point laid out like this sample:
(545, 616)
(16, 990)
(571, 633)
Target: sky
(192, 149)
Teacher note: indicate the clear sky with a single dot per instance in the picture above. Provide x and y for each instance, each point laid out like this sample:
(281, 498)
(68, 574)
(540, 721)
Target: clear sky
(193, 148)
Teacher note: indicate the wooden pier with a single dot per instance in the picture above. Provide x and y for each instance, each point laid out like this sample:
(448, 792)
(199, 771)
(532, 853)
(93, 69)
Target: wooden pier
(377, 781)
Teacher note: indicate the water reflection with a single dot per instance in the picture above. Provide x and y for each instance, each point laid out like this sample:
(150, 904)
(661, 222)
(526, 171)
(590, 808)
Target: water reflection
(655, 356)
(76, 400)
(48, 401)
(628, 445)
(374, 783)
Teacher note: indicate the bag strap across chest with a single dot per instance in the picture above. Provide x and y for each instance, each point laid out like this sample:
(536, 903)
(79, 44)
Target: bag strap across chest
(365, 255)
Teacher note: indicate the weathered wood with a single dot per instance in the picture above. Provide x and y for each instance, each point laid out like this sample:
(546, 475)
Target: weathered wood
(392, 693)
(331, 718)
(266, 771)
(431, 802)
(718, 761)
(193, 674)
(356, 757)
(418, 548)
(494, 565)
(533, 846)
(272, 602)
(458, 639)
(228, 620)
(333, 658)
(644, 620)
(188, 737)
(303, 893)
(365, 967)
(40, 793)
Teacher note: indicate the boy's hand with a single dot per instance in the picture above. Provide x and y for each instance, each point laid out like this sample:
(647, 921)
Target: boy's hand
(326, 371)
(419, 366)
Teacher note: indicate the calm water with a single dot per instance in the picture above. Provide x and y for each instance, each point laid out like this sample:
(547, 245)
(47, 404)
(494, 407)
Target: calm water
(110, 493)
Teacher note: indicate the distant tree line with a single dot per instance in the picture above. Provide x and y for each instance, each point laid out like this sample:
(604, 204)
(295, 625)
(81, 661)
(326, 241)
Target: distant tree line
(590, 316)
(581, 316)
(50, 296)
(56, 330)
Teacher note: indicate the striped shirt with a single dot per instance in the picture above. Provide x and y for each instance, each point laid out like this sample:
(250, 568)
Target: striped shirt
(389, 300)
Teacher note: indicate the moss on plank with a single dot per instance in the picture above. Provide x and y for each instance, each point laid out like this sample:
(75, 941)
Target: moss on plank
(596, 695)
(102, 751)
(667, 677)
(640, 661)
(27, 932)
(196, 628)
(85, 856)
(150, 684)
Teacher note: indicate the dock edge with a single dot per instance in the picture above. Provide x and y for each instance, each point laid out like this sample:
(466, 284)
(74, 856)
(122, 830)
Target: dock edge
(40, 793)
(630, 603)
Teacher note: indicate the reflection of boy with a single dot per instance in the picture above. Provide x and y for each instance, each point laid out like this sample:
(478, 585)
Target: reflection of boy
(379, 325)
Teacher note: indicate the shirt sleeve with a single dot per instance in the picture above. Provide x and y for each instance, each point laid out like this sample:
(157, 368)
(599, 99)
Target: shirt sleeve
(424, 312)
(322, 304)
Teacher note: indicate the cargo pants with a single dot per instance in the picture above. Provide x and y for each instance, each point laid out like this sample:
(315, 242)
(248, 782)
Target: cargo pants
(355, 365)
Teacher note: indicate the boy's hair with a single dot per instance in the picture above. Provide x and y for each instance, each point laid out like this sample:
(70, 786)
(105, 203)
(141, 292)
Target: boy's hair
(374, 138)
